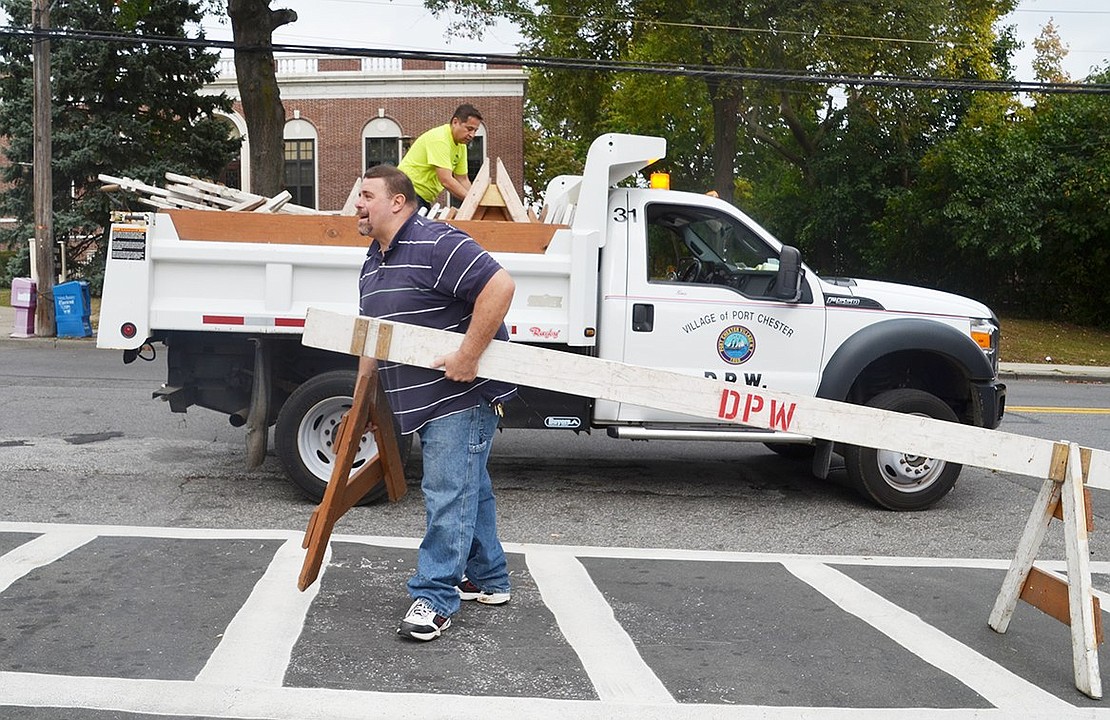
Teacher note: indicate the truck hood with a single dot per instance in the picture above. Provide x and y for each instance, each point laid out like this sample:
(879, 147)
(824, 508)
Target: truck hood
(845, 292)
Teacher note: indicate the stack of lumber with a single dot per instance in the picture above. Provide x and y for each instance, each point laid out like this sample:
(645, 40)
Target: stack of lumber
(182, 192)
(490, 198)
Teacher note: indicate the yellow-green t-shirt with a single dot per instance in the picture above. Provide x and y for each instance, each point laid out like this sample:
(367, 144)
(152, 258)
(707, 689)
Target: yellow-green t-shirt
(434, 149)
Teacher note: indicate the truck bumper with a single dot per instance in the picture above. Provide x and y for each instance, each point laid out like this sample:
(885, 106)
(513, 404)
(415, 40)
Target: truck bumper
(990, 401)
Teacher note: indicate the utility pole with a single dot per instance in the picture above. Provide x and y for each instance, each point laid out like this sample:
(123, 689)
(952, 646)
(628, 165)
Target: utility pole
(43, 170)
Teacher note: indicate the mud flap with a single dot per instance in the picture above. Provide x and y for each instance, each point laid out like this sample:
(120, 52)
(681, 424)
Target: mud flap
(822, 458)
(258, 425)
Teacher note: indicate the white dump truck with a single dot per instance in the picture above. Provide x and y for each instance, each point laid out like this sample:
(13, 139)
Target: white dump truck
(648, 277)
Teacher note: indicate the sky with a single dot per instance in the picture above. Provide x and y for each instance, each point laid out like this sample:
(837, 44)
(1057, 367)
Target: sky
(1083, 25)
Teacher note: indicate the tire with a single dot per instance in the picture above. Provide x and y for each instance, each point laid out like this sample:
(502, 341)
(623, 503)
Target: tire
(898, 481)
(304, 434)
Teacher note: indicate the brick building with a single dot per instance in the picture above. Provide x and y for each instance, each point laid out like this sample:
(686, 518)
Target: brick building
(346, 114)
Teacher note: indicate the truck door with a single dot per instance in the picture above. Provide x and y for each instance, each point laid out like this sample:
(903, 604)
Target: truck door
(700, 301)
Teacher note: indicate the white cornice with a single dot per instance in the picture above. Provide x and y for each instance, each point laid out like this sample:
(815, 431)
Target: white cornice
(413, 83)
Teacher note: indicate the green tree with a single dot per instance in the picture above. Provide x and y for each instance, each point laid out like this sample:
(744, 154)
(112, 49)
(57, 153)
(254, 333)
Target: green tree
(130, 109)
(731, 134)
(1050, 54)
(1012, 208)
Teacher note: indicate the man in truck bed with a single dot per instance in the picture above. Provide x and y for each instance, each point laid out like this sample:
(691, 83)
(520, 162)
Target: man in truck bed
(438, 158)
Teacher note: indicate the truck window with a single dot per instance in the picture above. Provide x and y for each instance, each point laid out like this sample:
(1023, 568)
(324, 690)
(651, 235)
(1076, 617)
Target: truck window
(698, 245)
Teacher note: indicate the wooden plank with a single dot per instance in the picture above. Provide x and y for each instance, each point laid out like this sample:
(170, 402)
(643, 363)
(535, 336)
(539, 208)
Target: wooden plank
(345, 490)
(508, 236)
(275, 202)
(223, 191)
(248, 204)
(133, 185)
(1036, 527)
(352, 198)
(509, 195)
(341, 231)
(492, 198)
(1049, 594)
(289, 208)
(389, 453)
(244, 227)
(1058, 511)
(200, 193)
(710, 399)
(185, 204)
(347, 435)
(1058, 469)
(1077, 549)
(477, 190)
(192, 193)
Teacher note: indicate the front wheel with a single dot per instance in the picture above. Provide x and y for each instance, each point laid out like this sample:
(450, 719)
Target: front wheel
(305, 434)
(899, 481)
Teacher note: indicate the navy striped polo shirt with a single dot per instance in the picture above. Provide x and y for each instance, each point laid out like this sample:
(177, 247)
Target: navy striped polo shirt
(430, 275)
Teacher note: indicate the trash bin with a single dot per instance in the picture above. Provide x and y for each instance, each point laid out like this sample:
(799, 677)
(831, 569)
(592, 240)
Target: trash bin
(24, 300)
(71, 308)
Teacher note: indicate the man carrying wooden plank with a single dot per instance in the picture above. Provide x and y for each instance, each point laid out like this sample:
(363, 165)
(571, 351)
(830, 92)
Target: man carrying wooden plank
(427, 273)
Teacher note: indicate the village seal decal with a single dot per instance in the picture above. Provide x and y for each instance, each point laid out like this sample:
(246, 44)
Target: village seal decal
(736, 344)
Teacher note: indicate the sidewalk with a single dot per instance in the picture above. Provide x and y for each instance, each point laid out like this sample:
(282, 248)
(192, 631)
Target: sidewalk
(1006, 371)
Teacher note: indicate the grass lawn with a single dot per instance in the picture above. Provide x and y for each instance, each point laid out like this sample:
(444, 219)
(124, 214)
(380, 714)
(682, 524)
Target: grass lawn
(1042, 341)
(1025, 341)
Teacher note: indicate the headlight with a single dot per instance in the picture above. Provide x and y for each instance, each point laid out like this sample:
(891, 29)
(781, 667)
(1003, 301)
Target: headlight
(985, 333)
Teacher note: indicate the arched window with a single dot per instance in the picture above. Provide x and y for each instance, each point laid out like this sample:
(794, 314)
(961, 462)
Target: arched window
(237, 173)
(300, 162)
(381, 142)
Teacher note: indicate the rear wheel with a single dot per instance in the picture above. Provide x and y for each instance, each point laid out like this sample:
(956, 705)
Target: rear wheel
(305, 434)
(899, 481)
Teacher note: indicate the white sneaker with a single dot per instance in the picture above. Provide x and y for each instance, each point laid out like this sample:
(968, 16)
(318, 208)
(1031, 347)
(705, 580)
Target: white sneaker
(470, 591)
(422, 622)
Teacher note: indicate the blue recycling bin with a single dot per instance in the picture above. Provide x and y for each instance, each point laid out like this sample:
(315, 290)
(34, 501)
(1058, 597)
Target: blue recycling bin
(72, 305)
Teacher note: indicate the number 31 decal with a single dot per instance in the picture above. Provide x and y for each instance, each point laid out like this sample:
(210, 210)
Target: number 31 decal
(623, 215)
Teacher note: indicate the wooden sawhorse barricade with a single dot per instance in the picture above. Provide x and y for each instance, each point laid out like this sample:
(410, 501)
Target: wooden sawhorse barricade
(344, 490)
(1067, 469)
(1063, 496)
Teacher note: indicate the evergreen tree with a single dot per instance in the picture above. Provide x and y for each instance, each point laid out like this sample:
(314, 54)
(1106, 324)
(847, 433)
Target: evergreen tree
(122, 108)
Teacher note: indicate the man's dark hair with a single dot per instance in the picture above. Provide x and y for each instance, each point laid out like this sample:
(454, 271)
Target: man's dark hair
(466, 111)
(396, 182)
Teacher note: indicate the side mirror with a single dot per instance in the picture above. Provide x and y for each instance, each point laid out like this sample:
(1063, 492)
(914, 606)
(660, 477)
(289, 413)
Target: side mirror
(788, 280)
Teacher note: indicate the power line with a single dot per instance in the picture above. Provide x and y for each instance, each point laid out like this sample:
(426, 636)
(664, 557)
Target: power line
(707, 72)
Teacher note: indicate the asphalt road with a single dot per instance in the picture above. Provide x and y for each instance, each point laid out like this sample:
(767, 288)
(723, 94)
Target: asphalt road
(92, 446)
(144, 572)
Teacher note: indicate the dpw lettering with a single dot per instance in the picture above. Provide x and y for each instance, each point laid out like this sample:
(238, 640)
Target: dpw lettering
(778, 418)
(750, 379)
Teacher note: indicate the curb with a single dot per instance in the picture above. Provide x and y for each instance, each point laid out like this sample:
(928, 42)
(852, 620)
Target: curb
(1066, 373)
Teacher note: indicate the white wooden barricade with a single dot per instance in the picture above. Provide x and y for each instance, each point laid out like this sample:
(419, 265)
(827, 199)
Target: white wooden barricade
(1066, 468)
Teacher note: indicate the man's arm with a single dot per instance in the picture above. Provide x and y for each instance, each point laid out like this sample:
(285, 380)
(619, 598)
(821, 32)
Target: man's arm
(457, 185)
(489, 311)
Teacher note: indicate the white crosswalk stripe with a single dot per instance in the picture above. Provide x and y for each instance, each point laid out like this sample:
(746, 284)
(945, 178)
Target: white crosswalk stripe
(244, 674)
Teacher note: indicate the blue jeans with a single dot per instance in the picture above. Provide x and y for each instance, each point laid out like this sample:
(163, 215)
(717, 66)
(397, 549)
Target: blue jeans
(461, 534)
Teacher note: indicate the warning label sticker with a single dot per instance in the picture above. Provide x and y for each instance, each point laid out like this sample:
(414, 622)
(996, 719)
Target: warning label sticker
(129, 244)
